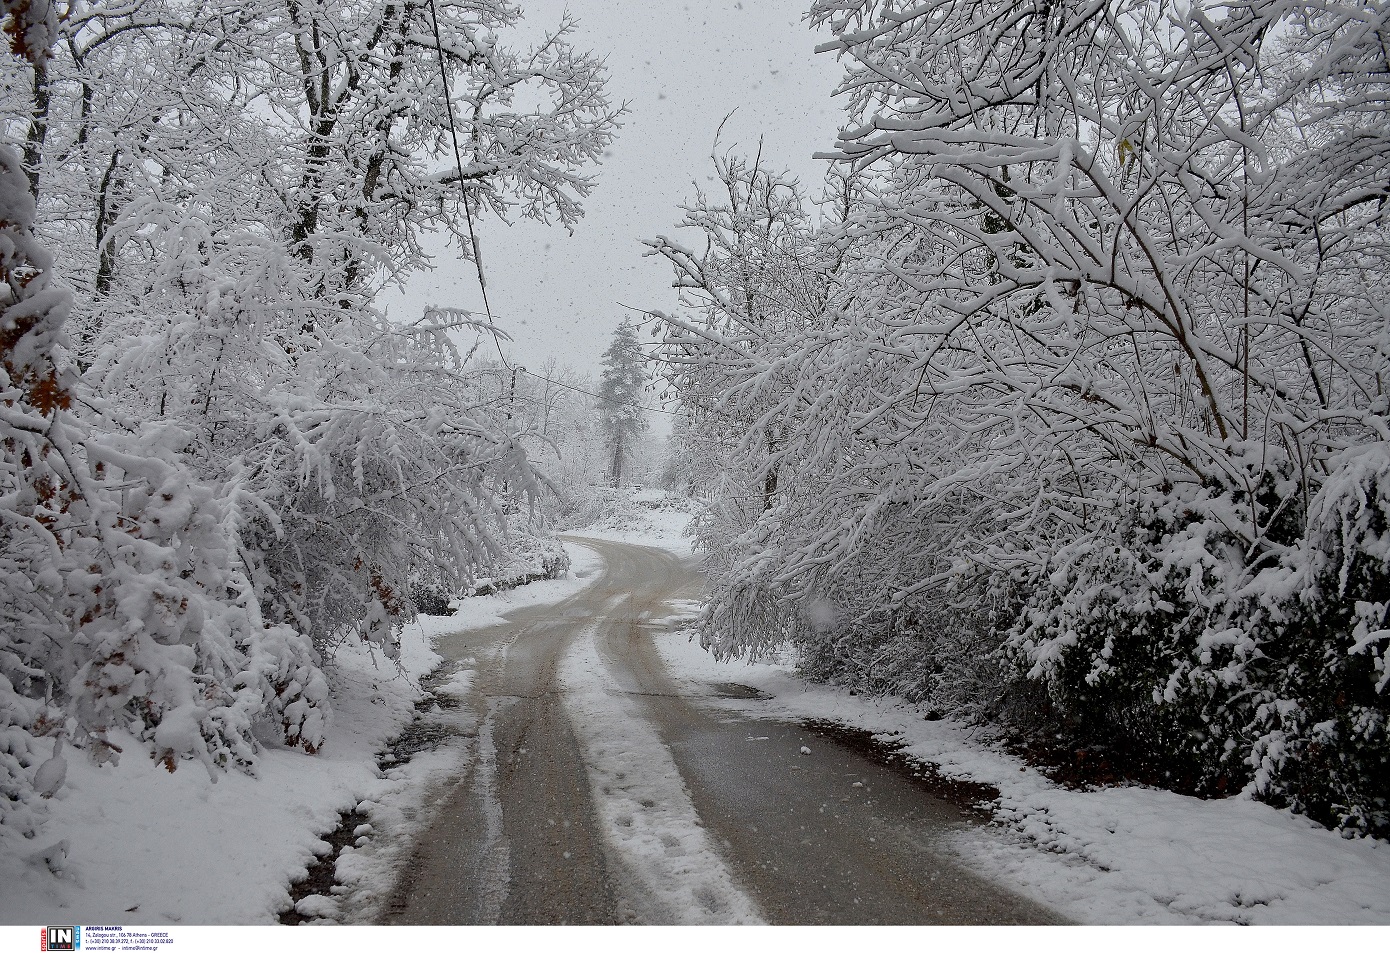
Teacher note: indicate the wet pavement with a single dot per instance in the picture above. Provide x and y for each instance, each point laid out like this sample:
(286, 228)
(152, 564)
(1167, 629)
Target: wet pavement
(840, 837)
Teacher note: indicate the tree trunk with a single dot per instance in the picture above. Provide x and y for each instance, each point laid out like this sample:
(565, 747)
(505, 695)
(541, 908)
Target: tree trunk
(38, 125)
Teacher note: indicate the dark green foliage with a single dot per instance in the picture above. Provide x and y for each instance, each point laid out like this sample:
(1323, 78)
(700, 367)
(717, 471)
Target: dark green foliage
(620, 390)
(1209, 664)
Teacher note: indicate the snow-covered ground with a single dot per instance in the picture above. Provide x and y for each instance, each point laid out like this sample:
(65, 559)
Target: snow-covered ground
(144, 846)
(148, 847)
(1123, 855)
(655, 518)
(135, 844)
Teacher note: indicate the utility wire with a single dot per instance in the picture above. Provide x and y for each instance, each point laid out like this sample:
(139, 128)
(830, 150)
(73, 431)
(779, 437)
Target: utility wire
(607, 400)
(477, 249)
(463, 189)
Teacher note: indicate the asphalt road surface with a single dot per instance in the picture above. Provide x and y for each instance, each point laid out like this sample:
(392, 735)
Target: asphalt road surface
(517, 839)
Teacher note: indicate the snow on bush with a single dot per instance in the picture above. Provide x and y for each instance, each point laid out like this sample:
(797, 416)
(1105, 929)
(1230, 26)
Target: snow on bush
(1164, 636)
(236, 465)
(1068, 411)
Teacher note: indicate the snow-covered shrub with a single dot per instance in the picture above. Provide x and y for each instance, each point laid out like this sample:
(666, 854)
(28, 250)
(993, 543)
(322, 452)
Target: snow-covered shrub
(1214, 662)
(1131, 632)
(168, 639)
(530, 555)
(534, 553)
(1322, 723)
(429, 599)
(937, 655)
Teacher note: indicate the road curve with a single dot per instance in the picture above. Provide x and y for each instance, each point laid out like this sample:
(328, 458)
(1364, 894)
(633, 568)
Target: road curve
(834, 838)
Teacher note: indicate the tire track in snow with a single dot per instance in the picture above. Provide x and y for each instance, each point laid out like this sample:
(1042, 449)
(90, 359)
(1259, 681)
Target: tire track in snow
(496, 851)
(646, 810)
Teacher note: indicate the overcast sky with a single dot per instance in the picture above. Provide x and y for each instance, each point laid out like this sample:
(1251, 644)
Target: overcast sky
(682, 65)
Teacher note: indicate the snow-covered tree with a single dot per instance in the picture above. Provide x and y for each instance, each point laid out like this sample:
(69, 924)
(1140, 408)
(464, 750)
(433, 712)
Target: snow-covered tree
(620, 398)
(259, 177)
(236, 463)
(126, 607)
(1099, 380)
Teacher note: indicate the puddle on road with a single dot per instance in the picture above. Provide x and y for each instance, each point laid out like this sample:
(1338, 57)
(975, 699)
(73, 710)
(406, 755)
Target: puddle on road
(976, 801)
(735, 690)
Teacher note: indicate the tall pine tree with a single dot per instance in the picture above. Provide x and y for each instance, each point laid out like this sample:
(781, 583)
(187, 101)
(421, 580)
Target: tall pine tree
(624, 374)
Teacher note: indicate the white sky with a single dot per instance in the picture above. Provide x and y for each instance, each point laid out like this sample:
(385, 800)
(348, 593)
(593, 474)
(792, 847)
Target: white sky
(682, 65)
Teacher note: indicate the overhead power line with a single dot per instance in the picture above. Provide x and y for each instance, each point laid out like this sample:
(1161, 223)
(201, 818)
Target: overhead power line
(477, 250)
(607, 400)
(463, 188)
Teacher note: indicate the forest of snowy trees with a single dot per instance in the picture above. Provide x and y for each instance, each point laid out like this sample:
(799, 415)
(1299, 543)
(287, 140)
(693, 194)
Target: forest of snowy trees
(219, 458)
(1059, 405)
(1064, 407)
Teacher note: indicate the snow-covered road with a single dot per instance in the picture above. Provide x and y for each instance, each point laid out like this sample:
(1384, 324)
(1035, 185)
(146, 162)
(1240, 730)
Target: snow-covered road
(603, 790)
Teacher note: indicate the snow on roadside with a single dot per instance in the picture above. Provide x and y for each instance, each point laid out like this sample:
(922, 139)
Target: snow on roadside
(480, 612)
(646, 811)
(655, 519)
(148, 847)
(1115, 855)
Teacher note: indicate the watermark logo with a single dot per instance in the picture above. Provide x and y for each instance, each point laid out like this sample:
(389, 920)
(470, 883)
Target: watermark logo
(61, 939)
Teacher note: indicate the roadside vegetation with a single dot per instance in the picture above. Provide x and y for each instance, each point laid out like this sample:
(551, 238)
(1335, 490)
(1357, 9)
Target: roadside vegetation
(1062, 404)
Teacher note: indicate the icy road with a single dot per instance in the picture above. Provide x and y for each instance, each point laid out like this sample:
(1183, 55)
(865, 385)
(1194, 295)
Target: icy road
(603, 790)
